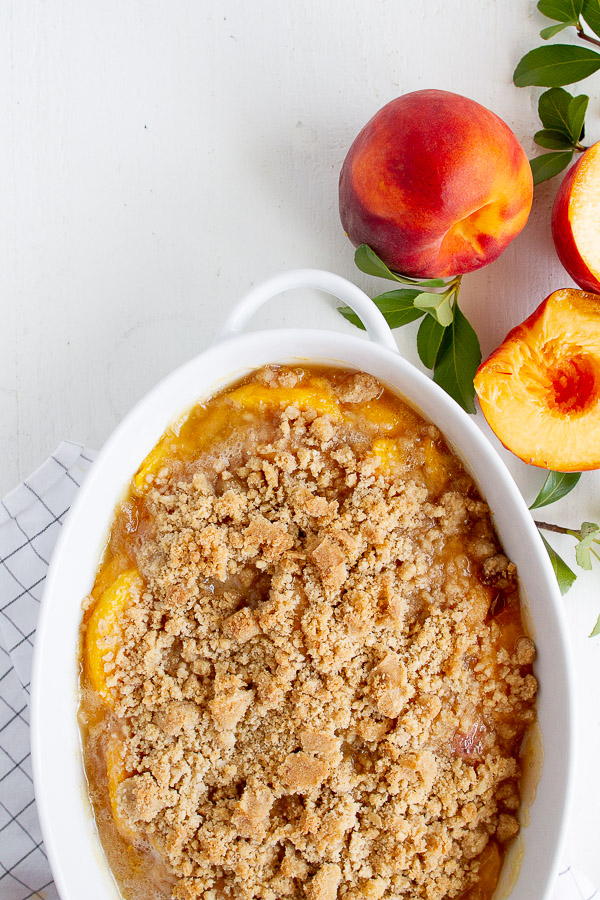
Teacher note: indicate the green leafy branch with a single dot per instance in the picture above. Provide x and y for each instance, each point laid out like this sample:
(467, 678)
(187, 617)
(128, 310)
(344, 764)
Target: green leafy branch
(446, 341)
(556, 486)
(553, 66)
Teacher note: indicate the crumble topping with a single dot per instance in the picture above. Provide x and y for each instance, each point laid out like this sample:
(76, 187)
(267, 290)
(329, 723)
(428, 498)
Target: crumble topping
(322, 690)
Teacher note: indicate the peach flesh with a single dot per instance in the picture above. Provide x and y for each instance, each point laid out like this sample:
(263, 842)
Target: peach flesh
(576, 221)
(436, 184)
(540, 390)
(574, 385)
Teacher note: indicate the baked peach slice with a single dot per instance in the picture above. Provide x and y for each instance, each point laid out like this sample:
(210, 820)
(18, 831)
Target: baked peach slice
(576, 221)
(257, 396)
(184, 439)
(116, 773)
(540, 390)
(104, 633)
(150, 467)
(490, 864)
(436, 467)
(378, 413)
(391, 458)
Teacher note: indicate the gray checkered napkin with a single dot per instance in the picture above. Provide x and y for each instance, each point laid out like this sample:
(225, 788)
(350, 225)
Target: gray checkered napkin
(31, 517)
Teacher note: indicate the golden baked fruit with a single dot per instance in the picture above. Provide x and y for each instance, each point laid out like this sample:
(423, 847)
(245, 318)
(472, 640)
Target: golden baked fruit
(104, 632)
(305, 674)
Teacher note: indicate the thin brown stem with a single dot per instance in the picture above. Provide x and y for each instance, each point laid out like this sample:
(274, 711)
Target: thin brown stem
(587, 37)
(559, 529)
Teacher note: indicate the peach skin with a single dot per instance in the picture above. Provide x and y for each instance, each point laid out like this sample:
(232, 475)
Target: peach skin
(540, 390)
(436, 184)
(576, 221)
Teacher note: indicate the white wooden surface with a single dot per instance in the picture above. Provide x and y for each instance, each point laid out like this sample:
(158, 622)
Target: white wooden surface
(158, 158)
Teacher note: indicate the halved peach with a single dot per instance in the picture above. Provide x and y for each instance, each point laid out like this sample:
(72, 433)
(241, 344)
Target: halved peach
(576, 221)
(104, 632)
(540, 389)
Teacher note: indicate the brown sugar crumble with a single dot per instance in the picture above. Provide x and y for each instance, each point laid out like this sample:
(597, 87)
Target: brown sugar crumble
(322, 688)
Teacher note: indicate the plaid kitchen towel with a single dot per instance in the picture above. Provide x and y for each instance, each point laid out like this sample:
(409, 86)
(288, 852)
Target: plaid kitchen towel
(31, 517)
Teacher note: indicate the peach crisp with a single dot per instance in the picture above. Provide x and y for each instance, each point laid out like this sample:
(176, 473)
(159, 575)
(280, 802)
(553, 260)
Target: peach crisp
(304, 668)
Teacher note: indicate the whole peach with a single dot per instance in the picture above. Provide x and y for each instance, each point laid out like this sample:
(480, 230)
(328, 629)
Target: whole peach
(576, 221)
(436, 184)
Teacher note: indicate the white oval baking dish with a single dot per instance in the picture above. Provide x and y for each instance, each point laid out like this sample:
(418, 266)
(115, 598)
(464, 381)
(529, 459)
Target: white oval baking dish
(75, 853)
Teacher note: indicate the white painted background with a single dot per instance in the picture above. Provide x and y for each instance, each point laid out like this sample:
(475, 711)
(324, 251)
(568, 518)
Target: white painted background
(158, 158)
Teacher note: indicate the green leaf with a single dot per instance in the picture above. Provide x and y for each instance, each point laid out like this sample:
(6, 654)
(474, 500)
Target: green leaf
(591, 14)
(551, 30)
(583, 551)
(458, 359)
(549, 164)
(596, 630)
(564, 575)
(351, 316)
(556, 486)
(437, 305)
(553, 109)
(561, 10)
(555, 65)
(577, 110)
(368, 261)
(420, 282)
(563, 115)
(553, 140)
(429, 340)
(560, 111)
(397, 308)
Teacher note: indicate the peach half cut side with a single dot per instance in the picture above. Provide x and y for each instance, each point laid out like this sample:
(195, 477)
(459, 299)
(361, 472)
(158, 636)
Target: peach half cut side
(540, 390)
(576, 221)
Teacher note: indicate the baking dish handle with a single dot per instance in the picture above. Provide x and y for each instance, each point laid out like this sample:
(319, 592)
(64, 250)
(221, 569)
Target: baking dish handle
(377, 328)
